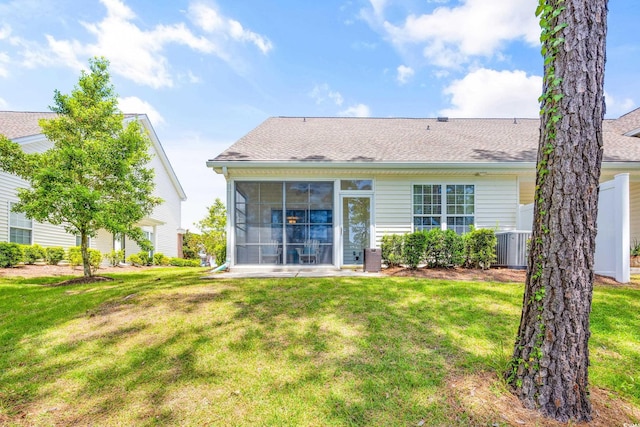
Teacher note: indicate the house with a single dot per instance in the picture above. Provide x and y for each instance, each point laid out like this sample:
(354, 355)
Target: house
(343, 183)
(162, 227)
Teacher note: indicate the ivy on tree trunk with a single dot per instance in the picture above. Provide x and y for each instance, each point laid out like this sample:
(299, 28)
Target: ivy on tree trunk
(549, 367)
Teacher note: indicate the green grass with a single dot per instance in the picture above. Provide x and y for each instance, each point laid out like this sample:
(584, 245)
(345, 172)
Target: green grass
(164, 347)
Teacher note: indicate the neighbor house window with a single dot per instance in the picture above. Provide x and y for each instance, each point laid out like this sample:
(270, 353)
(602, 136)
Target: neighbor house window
(456, 209)
(20, 227)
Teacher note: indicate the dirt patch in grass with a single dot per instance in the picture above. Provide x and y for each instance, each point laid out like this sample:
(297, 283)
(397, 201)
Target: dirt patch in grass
(506, 275)
(488, 400)
(29, 271)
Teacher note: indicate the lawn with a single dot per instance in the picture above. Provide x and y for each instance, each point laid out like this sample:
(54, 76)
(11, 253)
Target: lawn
(164, 347)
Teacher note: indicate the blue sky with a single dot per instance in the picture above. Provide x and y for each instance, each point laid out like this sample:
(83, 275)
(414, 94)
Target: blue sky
(207, 72)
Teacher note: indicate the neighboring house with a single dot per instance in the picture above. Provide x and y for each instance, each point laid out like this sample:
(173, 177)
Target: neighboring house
(162, 227)
(343, 183)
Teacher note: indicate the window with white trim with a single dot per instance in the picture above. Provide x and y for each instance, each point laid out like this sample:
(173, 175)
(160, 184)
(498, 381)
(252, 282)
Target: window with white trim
(456, 209)
(20, 227)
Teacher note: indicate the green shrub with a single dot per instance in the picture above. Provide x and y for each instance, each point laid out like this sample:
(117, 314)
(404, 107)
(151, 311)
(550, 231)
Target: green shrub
(413, 248)
(160, 259)
(145, 258)
(480, 248)
(32, 253)
(135, 260)
(115, 257)
(74, 255)
(444, 248)
(180, 262)
(10, 254)
(220, 253)
(54, 255)
(391, 249)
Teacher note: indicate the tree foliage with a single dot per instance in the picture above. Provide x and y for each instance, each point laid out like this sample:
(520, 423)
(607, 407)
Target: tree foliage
(213, 230)
(96, 175)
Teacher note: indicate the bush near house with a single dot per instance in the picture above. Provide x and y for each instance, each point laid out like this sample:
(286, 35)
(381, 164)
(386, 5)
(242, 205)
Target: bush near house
(181, 262)
(391, 249)
(10, 254)
(440, 248)
(32, 253)
(413, 250)
(160, 259)
(74, 255)
(444, 248)
(54, 255)
(115, 257)
(480, 248)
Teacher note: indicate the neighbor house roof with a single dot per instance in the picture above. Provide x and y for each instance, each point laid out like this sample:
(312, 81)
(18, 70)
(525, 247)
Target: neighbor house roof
(21, 125)
(398, 140)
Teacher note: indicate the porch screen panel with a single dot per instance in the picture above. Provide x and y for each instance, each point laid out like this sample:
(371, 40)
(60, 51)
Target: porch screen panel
(309, 217)
(274, 221)
(258, 222)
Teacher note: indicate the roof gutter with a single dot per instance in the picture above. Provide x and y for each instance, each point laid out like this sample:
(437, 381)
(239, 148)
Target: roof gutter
(222, 167)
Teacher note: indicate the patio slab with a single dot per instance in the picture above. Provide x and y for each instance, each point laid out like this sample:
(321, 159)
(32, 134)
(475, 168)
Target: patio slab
(245, 273)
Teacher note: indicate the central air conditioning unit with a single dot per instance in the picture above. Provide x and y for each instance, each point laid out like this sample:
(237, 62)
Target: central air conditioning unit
(512, 249)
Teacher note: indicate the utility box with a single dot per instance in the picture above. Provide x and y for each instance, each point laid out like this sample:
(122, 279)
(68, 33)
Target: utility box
(512, 249)
(372, 260)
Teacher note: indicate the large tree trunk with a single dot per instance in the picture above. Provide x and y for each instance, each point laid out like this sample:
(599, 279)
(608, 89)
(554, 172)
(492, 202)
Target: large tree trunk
(549, 369)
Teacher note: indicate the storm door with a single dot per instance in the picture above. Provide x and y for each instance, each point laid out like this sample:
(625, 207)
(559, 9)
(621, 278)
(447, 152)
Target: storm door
(356, 228)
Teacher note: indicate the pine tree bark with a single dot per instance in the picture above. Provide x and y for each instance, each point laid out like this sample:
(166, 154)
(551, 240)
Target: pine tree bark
(549, 368)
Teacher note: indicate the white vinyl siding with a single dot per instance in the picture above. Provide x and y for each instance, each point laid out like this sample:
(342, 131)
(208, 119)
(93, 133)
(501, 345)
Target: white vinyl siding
(496, 202)
(393, 207)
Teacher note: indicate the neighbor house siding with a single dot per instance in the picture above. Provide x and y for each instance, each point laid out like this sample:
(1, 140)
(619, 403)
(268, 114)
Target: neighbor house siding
(42, 233)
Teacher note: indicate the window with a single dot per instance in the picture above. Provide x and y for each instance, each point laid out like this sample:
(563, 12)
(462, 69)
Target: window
(456, 210)
(356, 184)
(20, 227)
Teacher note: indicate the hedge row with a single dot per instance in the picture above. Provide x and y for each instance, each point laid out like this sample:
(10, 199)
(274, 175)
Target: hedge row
(440, 248)
(12, 254)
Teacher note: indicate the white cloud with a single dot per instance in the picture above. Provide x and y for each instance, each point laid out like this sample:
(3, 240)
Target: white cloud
(404, 74)
(321, 93)
(133, 104)
(210, 21)
(5, 31)
(491, 93)
(616, 107)
(4, 61)
(451, 36)
(358, 110)
(3, 104)
(137, 53)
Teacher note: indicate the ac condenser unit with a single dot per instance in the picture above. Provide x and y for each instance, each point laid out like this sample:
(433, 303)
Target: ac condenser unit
(512, 249)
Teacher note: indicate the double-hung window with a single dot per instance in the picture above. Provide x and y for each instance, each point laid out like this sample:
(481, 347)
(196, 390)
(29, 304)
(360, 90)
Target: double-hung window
(20, 227)
(438, 204)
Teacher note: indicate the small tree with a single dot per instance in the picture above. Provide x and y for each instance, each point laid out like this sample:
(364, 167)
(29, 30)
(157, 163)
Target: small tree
(214, 231)
(95, 176)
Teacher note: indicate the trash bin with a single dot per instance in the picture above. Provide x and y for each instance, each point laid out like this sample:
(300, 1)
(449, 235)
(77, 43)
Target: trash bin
(372, 260)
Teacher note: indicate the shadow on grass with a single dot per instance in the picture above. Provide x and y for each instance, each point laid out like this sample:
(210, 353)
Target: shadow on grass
(170, 349)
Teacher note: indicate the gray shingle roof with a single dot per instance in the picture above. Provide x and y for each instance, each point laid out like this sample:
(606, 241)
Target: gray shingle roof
(295, 139)
(19, 124)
